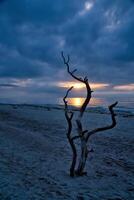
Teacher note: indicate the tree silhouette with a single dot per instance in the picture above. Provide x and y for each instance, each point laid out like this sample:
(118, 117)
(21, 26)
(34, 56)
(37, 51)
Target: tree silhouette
(82, 135)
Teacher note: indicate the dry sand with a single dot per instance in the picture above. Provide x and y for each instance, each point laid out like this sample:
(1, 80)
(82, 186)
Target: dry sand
(35, 157)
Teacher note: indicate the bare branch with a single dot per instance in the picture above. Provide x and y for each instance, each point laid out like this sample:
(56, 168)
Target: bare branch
(64, 99)
(66, 62)
(74, 71)
(69, 116)
(85, 81)
(105, 127)
(76, 137)
(88, 97)
(85, 131)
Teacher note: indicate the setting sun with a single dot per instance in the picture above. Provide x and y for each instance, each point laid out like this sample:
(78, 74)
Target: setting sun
(76, 101)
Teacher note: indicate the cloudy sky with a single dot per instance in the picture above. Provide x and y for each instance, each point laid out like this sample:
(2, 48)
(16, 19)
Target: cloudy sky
(97, 34)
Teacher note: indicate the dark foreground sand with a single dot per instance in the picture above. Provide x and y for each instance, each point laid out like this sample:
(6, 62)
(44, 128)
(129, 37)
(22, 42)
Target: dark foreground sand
(35, 157)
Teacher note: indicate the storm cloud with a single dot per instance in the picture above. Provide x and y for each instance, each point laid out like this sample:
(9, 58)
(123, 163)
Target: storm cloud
(98, 35)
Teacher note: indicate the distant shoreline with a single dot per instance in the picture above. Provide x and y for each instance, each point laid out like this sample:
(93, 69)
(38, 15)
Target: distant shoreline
(120, 110)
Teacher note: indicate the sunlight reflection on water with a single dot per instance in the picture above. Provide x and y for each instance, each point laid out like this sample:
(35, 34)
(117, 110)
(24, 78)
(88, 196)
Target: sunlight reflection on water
(78, 101)
(124, 101)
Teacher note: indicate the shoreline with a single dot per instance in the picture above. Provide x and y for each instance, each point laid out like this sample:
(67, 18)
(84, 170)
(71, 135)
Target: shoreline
(119, 110)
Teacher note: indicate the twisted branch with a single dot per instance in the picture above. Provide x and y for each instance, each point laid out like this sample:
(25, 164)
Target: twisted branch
(69, 116)
(113, 124)
(83, 80)
(66, 62)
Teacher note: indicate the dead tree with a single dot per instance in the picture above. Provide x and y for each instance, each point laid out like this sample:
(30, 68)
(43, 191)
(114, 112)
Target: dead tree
(82, 135)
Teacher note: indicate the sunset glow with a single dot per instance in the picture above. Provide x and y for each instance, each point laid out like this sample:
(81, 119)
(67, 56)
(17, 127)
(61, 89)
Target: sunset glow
(70, 84)
(80, 86)
(78, 101)
(129, 87)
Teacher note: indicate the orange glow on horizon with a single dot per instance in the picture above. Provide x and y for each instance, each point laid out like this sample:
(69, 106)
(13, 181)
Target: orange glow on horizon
(80, 86)
(70, 84)
(76, 101)
(129, 87)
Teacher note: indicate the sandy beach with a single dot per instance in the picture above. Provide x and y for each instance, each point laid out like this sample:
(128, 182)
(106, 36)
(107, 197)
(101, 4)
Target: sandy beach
(35, 157)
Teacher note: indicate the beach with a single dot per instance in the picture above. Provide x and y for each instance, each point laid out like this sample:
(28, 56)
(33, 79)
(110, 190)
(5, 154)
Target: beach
(35, 156)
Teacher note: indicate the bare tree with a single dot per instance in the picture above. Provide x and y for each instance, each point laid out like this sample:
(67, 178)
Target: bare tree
(82, 135)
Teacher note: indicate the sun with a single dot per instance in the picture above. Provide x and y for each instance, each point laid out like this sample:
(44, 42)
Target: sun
(76, 101)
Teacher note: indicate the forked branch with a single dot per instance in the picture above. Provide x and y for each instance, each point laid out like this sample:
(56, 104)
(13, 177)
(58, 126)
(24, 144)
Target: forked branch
(112, 125)
(66, 62)
(83, 80)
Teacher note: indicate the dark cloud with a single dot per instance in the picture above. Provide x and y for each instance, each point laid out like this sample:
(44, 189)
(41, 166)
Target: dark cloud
(97, 34)
(102, 41)
(1, 1)
(8, 85)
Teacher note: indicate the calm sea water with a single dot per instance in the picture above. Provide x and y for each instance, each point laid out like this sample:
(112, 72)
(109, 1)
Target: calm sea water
(124, 100)
(101, 100)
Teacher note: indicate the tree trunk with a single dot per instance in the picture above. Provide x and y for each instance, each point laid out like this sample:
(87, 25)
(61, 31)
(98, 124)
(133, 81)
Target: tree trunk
(74, 157)
(83, 159)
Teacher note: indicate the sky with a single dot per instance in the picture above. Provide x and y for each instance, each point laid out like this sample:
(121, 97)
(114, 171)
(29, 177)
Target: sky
(97, 34)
